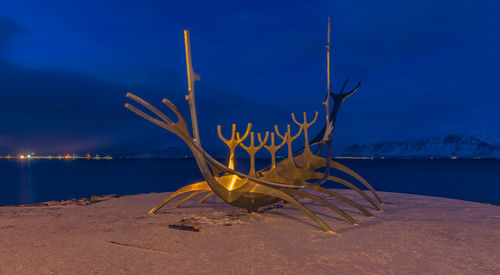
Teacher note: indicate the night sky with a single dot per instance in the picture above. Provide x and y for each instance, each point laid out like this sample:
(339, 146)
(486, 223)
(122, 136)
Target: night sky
(428, 68)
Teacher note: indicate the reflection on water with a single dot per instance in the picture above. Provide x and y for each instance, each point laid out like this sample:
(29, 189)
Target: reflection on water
(28, 181)
(26, 190)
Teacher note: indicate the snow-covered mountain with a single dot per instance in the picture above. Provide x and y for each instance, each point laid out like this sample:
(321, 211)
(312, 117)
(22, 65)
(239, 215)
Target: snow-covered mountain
(170, 152)
(477, 145)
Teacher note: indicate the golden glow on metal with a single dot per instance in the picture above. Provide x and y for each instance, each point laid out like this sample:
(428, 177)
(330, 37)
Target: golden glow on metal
(231, 186)
(192, 78)
(189, 64)
(283, 181)
(234, 141)
(231, 162)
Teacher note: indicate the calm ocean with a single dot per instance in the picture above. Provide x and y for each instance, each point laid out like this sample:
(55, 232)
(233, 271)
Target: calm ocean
(29, 181)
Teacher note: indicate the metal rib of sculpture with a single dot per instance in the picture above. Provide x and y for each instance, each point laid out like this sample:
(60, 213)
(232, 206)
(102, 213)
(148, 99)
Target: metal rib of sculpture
(282, 181)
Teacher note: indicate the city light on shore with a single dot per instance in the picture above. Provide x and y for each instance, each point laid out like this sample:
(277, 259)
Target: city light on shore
(59, 156)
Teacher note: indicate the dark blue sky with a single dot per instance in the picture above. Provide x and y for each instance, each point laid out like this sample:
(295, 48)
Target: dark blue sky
(428, 68)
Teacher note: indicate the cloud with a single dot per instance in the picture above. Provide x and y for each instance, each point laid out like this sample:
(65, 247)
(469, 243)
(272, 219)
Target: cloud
(6, 140)
(51, 111)
(8, 29)
(426, 67)
(56, 111)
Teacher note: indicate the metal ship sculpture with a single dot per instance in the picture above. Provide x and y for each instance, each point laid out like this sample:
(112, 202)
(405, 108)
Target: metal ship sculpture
(285, 180)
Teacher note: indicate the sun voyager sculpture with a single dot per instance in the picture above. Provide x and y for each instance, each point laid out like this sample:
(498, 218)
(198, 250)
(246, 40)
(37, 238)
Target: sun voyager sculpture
(285, 180)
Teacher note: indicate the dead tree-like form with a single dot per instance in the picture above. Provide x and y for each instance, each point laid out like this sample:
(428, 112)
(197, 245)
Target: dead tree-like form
(284, 181)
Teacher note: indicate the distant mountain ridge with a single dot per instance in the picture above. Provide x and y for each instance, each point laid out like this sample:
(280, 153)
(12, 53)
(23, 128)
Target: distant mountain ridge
(170, 152)
(476, 145)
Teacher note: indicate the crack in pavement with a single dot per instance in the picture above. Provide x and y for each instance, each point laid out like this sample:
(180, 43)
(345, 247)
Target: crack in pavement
(139, 247)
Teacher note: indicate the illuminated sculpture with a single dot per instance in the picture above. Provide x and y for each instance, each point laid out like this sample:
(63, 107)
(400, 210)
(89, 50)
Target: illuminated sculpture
(283, 180)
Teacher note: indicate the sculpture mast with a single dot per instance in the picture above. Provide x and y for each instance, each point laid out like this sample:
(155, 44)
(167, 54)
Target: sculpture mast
(328, 88)
(327, 136)
(192, 77)
(326, 102)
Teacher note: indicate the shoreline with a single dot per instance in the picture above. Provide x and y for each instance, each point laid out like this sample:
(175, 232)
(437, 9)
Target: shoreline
(99, 198)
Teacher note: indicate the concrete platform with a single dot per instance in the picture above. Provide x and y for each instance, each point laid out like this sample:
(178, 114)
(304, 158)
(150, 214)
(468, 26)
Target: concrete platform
(412, 235)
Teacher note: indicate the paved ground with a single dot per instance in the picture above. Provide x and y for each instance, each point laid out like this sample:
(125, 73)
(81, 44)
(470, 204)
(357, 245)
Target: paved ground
(413, 235)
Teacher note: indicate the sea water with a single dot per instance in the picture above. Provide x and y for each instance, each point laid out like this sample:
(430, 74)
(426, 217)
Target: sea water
(36, 180)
